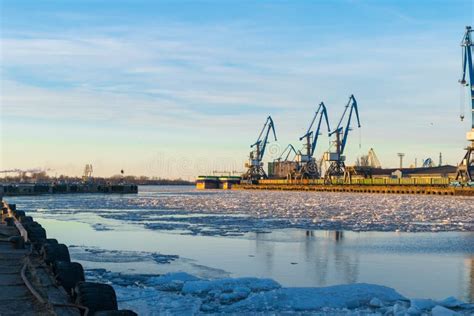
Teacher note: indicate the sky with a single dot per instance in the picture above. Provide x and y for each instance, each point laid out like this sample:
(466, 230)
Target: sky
(182, 88)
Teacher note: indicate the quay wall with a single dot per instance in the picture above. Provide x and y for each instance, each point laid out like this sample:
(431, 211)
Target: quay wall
(423, 181)
(387, 189)
(17, 189)
(212, 182)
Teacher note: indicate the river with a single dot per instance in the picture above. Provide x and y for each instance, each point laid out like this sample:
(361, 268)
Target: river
(218, 234)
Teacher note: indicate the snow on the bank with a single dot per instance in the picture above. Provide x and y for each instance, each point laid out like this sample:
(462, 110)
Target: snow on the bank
(193, 296)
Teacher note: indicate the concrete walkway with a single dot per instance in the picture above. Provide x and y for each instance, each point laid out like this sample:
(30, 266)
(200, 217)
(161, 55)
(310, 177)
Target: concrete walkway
(15, 298)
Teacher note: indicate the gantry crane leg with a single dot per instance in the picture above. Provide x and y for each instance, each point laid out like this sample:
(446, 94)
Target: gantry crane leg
(464, 172)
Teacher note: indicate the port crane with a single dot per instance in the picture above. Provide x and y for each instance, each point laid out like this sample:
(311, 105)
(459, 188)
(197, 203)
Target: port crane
(87, 175)
(369, 161)
(255, 165)
(465, 168)
(428, 163)
(307, 167)
(288, 150)
(374, 161)
(337, 159)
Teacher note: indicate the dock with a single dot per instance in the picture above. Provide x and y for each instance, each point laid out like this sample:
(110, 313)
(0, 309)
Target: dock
(16, 189)
(23, 277)
(213, 182)
(384, 189)
(37, 276)
(15, 298)
(410, 185)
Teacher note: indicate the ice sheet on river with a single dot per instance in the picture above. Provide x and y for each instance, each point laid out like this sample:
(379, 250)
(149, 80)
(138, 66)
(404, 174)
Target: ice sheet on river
(181, 293)
(95, 254)
(236, 212)
(108, 264)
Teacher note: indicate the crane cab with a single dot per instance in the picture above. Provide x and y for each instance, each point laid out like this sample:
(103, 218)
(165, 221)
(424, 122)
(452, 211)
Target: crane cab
(329, 156)
(253, 163)
(303, 158)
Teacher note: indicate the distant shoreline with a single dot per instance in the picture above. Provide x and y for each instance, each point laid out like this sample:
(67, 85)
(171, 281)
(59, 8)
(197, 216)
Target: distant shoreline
(146, 184)
(111, 180)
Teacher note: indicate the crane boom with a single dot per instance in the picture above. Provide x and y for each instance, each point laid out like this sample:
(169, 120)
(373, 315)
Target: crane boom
(288, 150)
(466, 167)
(467, 67)
(338, 166)
(352, 104)
(262, 143)
(307, 166)
(255, 170)
(311, 146)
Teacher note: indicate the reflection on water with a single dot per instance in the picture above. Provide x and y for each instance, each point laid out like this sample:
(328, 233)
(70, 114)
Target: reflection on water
(416, 265)
(337, 235)
(264, 251)
(318, 258)
(471, 283)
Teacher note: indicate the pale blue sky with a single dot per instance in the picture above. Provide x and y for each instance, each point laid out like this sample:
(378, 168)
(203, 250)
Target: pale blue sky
(180, 88)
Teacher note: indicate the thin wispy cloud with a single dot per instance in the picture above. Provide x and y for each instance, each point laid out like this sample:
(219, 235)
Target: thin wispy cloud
(222, 76)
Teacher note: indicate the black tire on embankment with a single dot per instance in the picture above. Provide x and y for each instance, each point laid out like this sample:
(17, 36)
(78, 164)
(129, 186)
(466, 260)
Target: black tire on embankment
(37, 234)
(9, 221)
(55, 252)
(96, 296)
(19, 213)
(17, 241)
(68, 274)
(51, 241)
(122, 312)
(31, 225)
(26, 219)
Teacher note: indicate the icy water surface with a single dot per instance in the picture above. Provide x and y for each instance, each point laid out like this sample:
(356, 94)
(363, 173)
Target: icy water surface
(296, 238)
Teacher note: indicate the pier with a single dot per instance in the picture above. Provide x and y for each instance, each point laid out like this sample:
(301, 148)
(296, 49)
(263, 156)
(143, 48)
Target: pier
(37, 276)
(415, 185)
(15, 298)
(384, 189)
(30, 289)
(212, 182)
(16, 189)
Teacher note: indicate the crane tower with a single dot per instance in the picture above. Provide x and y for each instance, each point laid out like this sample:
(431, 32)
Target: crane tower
(307, 165)
(255, 165)
(87, 175)
(337, 159)
(465, 168)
